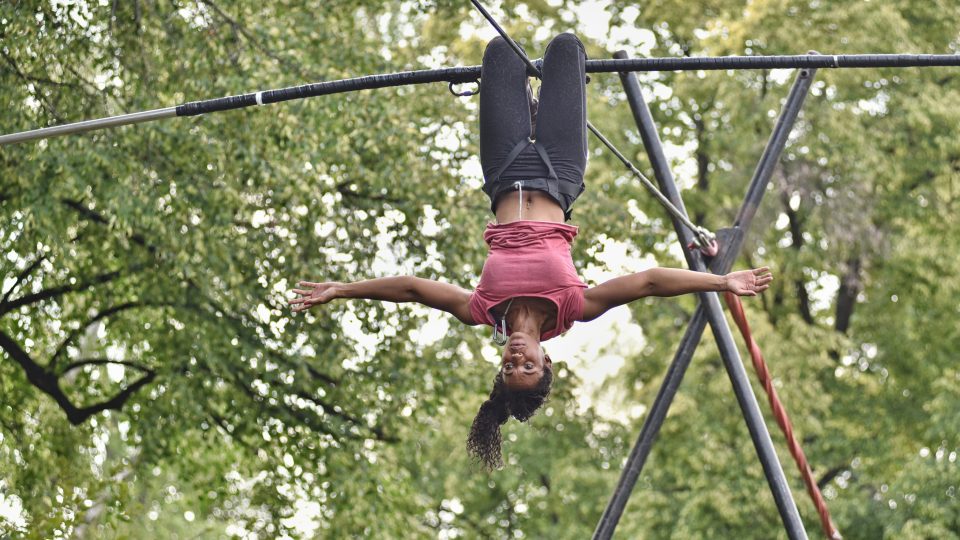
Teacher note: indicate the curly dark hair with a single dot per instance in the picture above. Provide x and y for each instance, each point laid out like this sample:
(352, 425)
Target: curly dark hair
(484, 440)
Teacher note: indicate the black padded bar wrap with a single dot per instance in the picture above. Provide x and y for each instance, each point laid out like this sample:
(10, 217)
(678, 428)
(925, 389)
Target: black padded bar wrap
(218, 104)
(455, 75)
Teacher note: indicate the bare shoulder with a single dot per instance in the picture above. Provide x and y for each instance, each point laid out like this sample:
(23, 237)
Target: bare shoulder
(444, 296)
(621, 290)
(593, 304)
(460, 308)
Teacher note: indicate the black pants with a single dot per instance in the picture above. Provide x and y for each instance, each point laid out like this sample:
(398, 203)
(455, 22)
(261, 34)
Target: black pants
(552, 156)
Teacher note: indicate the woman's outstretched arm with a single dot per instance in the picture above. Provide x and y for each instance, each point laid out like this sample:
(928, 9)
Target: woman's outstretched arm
(434, 294)
(670, 282)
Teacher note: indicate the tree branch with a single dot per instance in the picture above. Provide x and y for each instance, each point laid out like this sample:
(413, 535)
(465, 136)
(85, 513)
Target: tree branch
(242, 30)
(311, 421)
(21, 276)
(242, 326)
(847, 294)
(343, 189)
(49, 384)
(239, 324)
(102, 362)
(115, 403)
(93, 215)
(54, 292)
(37, 376)
(322, 376)
(34, 78)
(703, 159)
(796, 234)
(330, 409)
(830, 475)
(227, 429)
(41, 98)
(99, 316)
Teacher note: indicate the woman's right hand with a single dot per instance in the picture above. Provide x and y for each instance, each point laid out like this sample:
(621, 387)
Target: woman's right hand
(313, 294)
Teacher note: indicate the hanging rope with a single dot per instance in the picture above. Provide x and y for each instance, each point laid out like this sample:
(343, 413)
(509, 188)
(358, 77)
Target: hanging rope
(704, 239)
(780, 413)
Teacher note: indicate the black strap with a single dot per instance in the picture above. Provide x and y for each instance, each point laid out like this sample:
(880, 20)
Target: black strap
(520, 147)
(570, 188)
(546, 160)
(555, 188)
(491, 182)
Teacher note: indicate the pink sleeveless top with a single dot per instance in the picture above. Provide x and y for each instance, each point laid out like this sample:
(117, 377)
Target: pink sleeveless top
(530, 258)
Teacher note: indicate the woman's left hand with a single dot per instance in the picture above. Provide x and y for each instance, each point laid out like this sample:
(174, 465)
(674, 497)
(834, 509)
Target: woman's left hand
(749, 282)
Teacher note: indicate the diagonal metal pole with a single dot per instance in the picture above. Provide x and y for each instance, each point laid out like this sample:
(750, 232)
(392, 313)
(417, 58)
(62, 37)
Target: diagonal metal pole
(731, 241)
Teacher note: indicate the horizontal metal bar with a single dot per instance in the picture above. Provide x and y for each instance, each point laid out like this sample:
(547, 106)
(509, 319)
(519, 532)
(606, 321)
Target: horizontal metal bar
(88, 125)
(458, 75)
(773, 62)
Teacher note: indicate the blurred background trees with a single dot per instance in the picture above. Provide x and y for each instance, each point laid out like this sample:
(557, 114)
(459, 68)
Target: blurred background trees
(153, 383)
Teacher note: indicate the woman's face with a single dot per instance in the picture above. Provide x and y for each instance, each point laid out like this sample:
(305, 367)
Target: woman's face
(523, 362)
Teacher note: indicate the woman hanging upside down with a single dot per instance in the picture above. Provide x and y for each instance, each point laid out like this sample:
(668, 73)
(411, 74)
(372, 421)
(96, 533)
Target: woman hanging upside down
(533, 160)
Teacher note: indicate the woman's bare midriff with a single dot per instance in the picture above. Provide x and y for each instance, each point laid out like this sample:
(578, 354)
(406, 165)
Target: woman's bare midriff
(537, 206)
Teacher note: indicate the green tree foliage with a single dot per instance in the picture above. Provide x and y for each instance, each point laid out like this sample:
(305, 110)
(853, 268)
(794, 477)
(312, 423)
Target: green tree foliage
(154, 384)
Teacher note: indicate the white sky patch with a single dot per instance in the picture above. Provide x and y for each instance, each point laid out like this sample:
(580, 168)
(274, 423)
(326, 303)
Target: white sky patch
(449, 137)
(490, 354)
(479, 27)
(823, 291)
(260, 218)
(100, 440)
(782, 222)
(660, 92)
(115, 372)
(433, 328)
(435, 59)
(471, 171)
(875, 106)
(430, 227)
(780, 76)
(8, 284)
(388, 261)
(305, 518)
(684, 165)
(594, 19)
(596, 351)
(11, 510)
(263, 313)
(628, 36)
(618, 259)
(196, 15)
(675, 249)
(366, 343)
